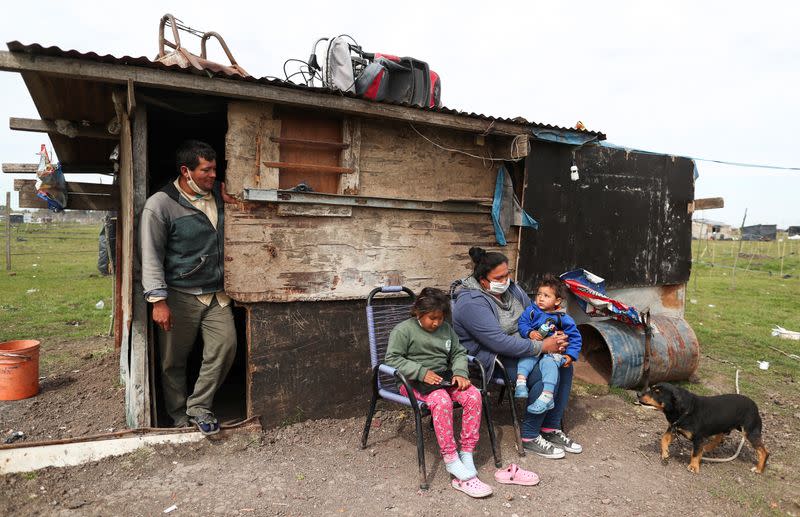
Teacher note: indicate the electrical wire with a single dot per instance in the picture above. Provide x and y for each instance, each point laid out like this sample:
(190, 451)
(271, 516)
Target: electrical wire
(513, 158)
(740, 164)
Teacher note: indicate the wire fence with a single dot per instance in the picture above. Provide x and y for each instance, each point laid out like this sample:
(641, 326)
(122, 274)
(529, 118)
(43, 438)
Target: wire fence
(778, 257)
(50, 240)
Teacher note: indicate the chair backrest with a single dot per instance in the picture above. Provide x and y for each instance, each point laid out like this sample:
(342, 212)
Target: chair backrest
(383, 314)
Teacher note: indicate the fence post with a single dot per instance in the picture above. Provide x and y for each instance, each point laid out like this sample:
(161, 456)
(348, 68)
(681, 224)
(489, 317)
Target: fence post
(736, 258)
(783, 252)
(8, 231)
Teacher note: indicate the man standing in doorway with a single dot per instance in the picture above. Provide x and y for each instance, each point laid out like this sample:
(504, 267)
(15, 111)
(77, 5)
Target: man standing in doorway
(182, 264)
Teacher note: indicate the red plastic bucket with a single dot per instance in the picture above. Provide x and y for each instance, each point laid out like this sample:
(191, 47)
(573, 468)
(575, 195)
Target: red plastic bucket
(19, 369)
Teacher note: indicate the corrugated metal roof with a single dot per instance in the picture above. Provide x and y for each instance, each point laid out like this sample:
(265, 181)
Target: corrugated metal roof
(39, 50)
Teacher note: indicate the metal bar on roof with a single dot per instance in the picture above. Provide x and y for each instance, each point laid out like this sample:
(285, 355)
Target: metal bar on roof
(468, 206)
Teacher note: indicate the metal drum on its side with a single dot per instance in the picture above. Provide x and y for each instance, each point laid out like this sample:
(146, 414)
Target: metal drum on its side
(613, 352)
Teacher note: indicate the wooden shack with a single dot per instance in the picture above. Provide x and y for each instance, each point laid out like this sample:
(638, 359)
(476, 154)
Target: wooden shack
(338, 195)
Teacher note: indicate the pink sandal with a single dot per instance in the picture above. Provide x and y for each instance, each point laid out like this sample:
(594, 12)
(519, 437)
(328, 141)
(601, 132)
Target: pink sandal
(514, 475)
(473, 487)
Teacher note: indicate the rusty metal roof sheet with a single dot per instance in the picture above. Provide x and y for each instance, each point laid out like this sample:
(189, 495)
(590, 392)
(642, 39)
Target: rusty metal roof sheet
(37, 49)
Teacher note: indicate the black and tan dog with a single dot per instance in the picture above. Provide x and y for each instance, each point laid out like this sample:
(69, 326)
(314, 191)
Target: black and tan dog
(705, 420)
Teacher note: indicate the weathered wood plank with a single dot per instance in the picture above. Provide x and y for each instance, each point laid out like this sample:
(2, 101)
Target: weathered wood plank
(73, 187)
(395, 159)
(314, 210)
(299, 142)
(270, 258)
(706, 204)
(138, 400)
(62, 127)
(308, 167)
(80, 196)
(146, 77)
(351, 156)
(125, 256)
(248, 145)
(30, 168)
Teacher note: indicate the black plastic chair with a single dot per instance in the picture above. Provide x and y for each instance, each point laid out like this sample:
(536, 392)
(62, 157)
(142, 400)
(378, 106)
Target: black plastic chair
(381, 319)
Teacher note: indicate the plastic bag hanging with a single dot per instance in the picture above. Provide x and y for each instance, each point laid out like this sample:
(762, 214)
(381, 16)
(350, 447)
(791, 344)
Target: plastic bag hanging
(506, 210)
(50, 183)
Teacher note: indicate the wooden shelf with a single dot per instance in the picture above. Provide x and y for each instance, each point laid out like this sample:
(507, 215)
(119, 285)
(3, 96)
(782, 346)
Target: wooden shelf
(309, 167)
(315, 144)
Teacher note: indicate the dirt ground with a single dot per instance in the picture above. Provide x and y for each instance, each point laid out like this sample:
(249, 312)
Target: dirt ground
(317, 468)
(80, 393)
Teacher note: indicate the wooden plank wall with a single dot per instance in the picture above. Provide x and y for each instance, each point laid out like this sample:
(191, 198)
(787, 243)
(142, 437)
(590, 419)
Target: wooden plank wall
(304, 271)
(275, 258)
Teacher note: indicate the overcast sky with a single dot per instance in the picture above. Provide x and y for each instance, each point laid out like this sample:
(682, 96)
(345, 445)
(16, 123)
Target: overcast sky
(713, 80)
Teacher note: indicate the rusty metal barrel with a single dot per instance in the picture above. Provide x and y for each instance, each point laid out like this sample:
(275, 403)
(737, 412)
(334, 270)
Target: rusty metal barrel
(613, 352)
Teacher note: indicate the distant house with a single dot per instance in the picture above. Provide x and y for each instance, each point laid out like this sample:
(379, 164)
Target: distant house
(704, 229)
(760, 232)
(793, 230)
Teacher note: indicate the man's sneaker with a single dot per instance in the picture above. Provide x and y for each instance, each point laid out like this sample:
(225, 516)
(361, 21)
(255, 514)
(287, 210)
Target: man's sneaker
(206, 423)
(559, 439)
(543, 448)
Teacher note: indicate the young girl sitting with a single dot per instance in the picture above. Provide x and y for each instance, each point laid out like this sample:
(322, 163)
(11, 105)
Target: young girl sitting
(425, 349)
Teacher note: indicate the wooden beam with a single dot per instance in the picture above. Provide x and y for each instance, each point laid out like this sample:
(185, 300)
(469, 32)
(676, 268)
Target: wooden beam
(61, 127)
(30, 168)
(315, 144)
(80, 196)
(309, 167)
(182, 81)
(709, 202)
(141, 369)
(706, 203)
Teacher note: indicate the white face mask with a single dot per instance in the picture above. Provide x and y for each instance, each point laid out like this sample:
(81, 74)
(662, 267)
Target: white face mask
(194, 186)
(499, 287)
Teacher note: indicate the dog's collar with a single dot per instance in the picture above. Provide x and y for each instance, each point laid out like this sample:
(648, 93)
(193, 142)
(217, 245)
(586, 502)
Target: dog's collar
(674, 424)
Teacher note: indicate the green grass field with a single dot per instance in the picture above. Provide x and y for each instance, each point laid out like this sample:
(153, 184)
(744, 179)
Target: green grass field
(733, 317)
(54, 284)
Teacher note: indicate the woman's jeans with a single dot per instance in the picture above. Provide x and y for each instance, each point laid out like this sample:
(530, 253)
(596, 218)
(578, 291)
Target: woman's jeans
(531, 423)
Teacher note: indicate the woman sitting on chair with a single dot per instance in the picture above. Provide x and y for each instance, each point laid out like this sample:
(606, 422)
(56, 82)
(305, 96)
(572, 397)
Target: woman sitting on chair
(487, 308)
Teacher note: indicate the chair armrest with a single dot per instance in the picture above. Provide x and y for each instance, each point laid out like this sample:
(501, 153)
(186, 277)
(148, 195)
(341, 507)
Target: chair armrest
(388, 370)
(471, 359)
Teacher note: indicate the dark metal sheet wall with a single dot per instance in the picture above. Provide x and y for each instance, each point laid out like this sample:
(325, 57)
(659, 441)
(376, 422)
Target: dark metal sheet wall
(625, 219)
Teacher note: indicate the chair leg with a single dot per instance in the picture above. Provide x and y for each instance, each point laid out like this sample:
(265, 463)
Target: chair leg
(515, 420)
(510, 395)
(501, 396)
(490, 427)
(423, 477)
(368, 423)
